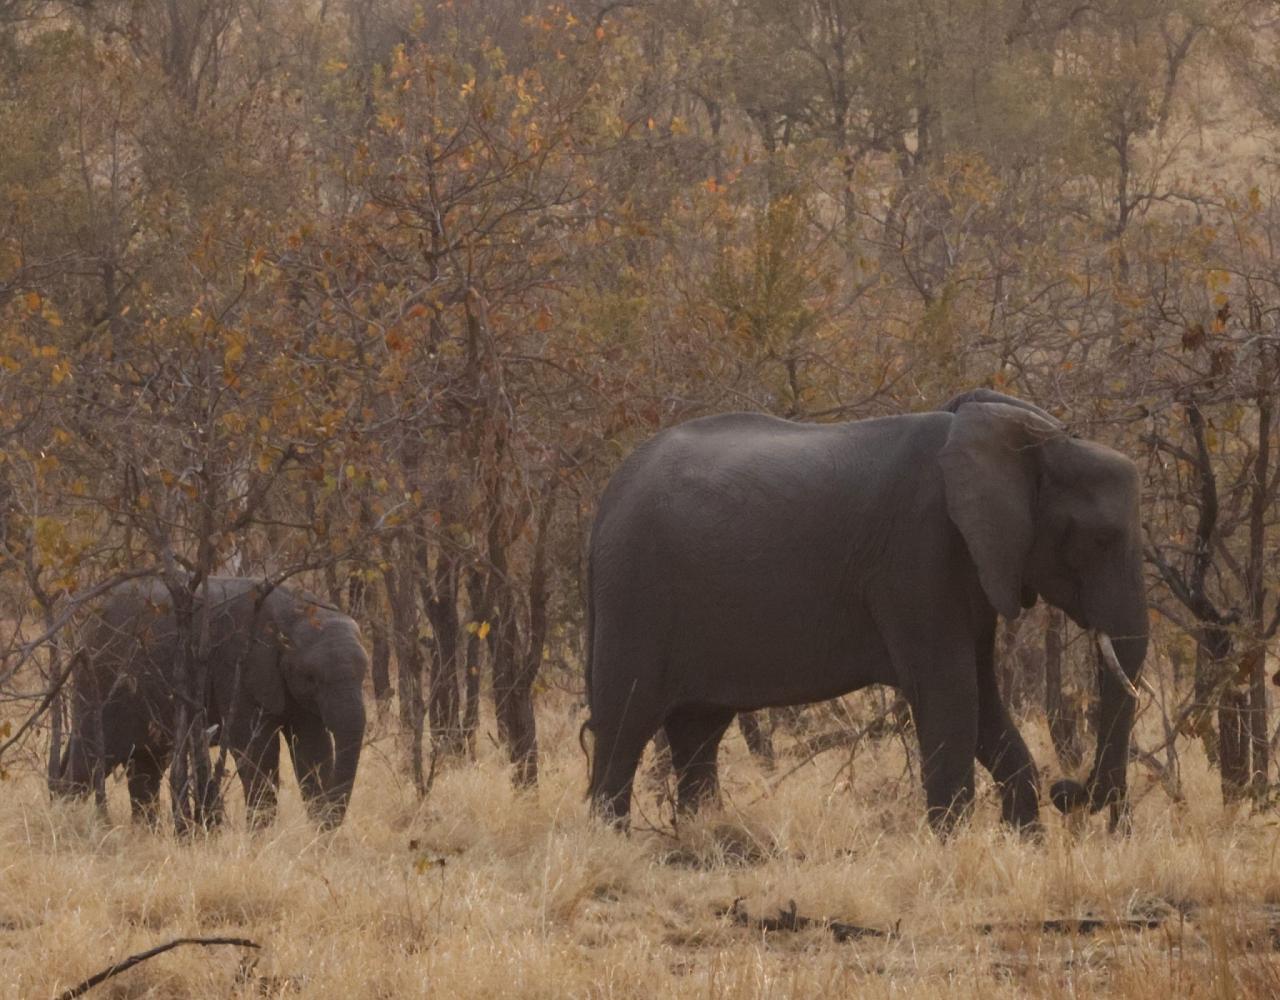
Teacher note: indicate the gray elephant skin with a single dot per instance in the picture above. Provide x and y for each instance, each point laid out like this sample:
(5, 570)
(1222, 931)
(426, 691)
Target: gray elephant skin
(301, 670)
(742, 561)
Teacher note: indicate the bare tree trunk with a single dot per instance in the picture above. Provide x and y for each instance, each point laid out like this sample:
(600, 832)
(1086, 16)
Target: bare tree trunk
(513, 701)
(440, 599)
(402, 603)
(1233, 743)
(515, 669)
(54, 763)
(195, 799)
(380, 661)
(180, 798)
(1260, 489)
(1203, 684)
(361, 605)
(1217, 689)
(209, 808)
(478, 598)
(98, 751)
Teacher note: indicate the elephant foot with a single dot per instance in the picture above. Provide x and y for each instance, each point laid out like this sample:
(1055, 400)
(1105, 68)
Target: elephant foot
(1069, 796)
(612, 812)
(1073, 798)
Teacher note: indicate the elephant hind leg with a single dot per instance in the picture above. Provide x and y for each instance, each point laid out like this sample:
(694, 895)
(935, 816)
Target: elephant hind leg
(694, 737)
(615, 754)
(258, 765)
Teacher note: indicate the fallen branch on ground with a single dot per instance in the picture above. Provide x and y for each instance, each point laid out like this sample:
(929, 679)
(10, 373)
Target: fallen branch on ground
(789, 920)
(142, 956)
(1077, 925)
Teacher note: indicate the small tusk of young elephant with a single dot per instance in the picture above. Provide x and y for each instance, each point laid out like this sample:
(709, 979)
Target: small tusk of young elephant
(1113, 664)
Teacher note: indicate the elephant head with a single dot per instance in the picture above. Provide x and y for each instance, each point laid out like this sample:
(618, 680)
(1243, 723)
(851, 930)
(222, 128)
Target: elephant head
(321, 670)
(1045, 514)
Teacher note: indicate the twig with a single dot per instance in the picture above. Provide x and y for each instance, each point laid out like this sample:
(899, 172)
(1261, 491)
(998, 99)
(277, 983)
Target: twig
(142, 956)
(30, 721)
(28, 648)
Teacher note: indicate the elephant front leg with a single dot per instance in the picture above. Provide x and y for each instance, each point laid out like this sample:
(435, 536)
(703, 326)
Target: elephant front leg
(694, 736)
(311, 748)
(1002, 751)
(258, 765)
(145, 775)
(947, 725)
(929, 636)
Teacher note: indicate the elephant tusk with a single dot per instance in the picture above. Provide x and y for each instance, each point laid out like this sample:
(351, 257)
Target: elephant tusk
(1113, 664)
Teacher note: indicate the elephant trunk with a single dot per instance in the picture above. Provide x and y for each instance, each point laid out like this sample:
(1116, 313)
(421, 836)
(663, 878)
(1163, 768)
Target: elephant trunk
(344, 717)
(1118, 703)
(1106, 782)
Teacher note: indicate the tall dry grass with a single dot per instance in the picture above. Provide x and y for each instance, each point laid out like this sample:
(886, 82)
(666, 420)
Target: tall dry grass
(509, 894)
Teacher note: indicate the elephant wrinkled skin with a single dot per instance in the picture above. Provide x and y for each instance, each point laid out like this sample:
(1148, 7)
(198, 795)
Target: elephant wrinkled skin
(301, 672)
(742, 561)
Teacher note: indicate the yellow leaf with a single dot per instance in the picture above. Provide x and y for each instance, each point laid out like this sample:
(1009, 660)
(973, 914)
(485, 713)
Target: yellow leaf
(60, 371)
(234, 350)
(264, 462)
(33, 301)
(483, 630)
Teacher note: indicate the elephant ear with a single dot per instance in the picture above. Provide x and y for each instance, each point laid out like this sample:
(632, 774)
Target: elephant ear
(991, 396)
(990, 467)
(264, 668)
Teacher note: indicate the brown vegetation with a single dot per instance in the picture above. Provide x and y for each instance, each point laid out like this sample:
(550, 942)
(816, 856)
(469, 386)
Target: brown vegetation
(373, 297)
(485, 890)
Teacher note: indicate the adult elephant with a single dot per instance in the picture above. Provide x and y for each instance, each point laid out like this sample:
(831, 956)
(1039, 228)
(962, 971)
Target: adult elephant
(280, 664)
(742, 561)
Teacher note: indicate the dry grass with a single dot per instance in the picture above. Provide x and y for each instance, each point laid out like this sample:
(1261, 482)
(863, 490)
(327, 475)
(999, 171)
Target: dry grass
(510, 894)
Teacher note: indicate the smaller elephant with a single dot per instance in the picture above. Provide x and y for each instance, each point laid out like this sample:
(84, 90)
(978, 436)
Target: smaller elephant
(301, 670)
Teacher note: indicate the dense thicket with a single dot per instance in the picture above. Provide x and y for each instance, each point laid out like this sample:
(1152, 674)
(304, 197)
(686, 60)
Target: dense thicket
(379, 294)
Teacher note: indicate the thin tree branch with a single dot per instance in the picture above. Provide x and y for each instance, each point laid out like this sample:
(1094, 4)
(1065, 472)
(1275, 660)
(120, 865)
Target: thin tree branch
(142, 956)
